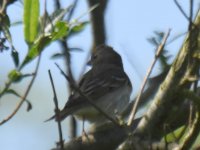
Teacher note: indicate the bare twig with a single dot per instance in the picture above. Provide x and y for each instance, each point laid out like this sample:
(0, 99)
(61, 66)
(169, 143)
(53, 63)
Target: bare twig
(23, 99)
(191, 114)
(72, 10)
(61, 142)
(192, 108)
(175, 38)
(192, 133)
(75, 87)
(65, 49)
(97, 21)
(191, 14)
(91, 9)
(158, 52)
(3, 7)
(64, 42)
(183, 66)
(153, 86)
(194, 125)
(181, 9)
(184, 14)
(57, 3)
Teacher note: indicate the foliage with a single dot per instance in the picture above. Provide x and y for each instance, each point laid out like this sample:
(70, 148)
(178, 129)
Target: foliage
(39, 32)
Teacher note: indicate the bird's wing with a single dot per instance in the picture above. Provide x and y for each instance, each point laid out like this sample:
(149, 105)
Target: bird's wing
(104, 82)
(93, 85)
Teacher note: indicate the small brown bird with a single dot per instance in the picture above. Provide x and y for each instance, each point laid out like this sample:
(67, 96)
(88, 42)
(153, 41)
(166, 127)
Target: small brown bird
(106, 84)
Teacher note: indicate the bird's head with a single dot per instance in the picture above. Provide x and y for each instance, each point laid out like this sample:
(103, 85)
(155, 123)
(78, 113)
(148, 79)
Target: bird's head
(105, 55)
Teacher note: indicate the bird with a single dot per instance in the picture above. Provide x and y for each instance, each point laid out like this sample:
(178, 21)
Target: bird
(106, 84)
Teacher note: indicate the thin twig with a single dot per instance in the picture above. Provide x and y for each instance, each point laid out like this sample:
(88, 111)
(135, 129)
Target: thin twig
(23, 99)
(57, 3)
(3, 7)
(193, 129)
(158, 52)
(192, 108)
(191, 14)
(64, 43)
(191, 114)
(193, 132)
(181, 9)
(89, 10)
(65, 49)
(61, 143)
(176, 37)
(72, 10)
(184, 14)
(75, 87)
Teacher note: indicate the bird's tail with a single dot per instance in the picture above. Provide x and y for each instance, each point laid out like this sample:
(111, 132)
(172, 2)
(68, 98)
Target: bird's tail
(51, 118)
(62, 115)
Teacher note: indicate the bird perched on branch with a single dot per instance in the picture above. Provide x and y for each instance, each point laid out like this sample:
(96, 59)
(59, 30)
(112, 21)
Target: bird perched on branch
(106, 84)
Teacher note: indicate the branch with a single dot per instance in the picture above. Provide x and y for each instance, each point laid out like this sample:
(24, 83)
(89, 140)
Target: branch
(107, 137)
(184, 14)
(158, 52)
(192, 96)
(57, 110)
(72, 10)
(23, 99)
(191, 14)
(193, 132)
(97, 19)
(147, 145)
(168, 94)
(181, 9)
(167, 98)
(3, 6)
(147, 95)
(65, 49)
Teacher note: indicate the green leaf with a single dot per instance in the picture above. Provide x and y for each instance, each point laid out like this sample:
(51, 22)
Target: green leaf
(4, 26)
(4, 20)
(48, 22)
(153, 41)
(170, 137)
(36, 49)
(60, 30)
(15, 76)
(31, 16)
(15, 57)
(57, 55)
(78, 27)
(156, 41)
(16, 23)
(29, 107)
(11, 91)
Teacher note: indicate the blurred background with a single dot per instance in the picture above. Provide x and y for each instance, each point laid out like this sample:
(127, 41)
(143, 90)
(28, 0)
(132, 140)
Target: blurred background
(128, 26)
